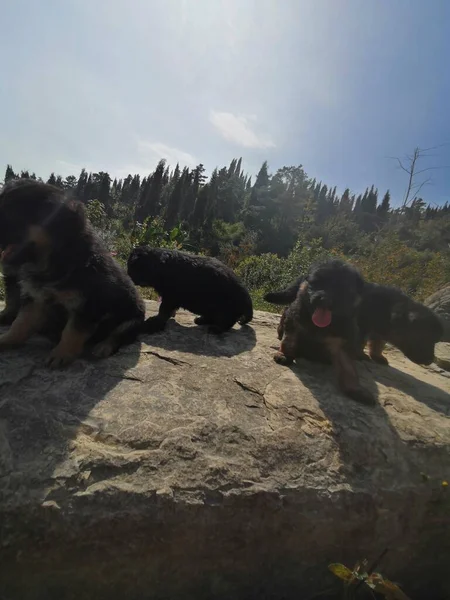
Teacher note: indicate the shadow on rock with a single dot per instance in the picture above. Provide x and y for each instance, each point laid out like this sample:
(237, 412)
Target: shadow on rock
(41, 412)
(426, 393)
(197, 340)
(364, 433)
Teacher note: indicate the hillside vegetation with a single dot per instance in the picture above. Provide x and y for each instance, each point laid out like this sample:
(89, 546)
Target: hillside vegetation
(268, 229)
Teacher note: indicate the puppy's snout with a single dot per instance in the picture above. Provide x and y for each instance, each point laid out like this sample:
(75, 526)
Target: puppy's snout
(321, 300)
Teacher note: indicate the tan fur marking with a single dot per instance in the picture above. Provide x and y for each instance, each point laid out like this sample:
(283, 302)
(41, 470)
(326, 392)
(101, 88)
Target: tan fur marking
(39, 236)
(288, 345)
(376, 348)
(26, 323)
(345, 368)
(70, 347)
(71, 299)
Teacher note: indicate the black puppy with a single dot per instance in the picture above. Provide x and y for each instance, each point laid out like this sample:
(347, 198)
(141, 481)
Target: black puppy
(320, 324)
(200, 284)
(386, 314)
(66, 276)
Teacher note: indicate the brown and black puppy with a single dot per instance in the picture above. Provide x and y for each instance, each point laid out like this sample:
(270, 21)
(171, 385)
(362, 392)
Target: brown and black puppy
(386, 314)
(50, 250)
(320, 324)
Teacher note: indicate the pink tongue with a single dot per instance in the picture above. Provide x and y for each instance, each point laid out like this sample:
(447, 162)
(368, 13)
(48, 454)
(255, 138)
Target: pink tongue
(321, 317)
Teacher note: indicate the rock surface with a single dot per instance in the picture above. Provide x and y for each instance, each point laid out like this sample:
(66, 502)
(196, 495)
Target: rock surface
(442, 353)
(440, 303)
(189, 466)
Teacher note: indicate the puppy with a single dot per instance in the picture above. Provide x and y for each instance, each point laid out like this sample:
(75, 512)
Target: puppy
(50, 251)
(386, 314)
(320, 324)
(200, 284)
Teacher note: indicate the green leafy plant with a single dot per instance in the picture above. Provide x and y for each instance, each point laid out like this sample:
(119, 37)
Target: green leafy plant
(153, 233)
(361, 575)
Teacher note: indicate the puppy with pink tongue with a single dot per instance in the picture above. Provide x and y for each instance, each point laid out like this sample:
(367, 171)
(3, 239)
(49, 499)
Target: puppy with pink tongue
(320, 323)
(321, 317)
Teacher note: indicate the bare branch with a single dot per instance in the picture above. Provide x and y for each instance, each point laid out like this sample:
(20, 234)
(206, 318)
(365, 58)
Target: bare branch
(413, 187)
(435, 147)
(402, 167)
(426, 182)
(432, 169)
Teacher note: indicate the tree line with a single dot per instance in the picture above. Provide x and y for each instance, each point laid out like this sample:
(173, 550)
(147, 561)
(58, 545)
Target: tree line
(274, 210)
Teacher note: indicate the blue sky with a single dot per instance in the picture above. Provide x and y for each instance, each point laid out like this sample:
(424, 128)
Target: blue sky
(335, 85)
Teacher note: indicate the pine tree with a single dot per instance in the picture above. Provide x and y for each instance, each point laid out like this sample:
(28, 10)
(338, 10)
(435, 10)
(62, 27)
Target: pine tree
(103, 195)
(322, 205)
(52, 179)
(199, 214)
(88, 192)
(232, 167)
(175, 201)
(385, 205)
(9, 174)
(188, 199)
(238, 171)
(212, 199)
(199, 178)
(262, 179)
(176, 174)
(357, 205)
(150, 200)
(81, 185)
(369, 205)
(70, 182)
(346, 203)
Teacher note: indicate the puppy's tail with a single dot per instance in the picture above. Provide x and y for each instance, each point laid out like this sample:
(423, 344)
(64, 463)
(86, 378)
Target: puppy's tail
(287, 295)
(247, 314)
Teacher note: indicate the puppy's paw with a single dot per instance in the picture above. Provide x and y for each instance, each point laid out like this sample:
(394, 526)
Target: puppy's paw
(362, 396)
(282, 359)
(201, 320)
(380, 360)
(154, 325)
(58, 359)
(104, 349)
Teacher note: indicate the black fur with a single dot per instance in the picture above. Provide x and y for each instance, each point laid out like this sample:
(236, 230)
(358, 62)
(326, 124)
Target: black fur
(338, 287)
(386, 314)
(200, 284)
(62, 267)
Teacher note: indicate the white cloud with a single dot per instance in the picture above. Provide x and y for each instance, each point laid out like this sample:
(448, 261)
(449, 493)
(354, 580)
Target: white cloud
(145, 157)
(155, 151)
(237, 129)
(66, 168)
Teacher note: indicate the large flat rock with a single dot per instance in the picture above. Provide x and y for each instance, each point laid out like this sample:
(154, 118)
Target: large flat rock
(191, 466)
(439, 302)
